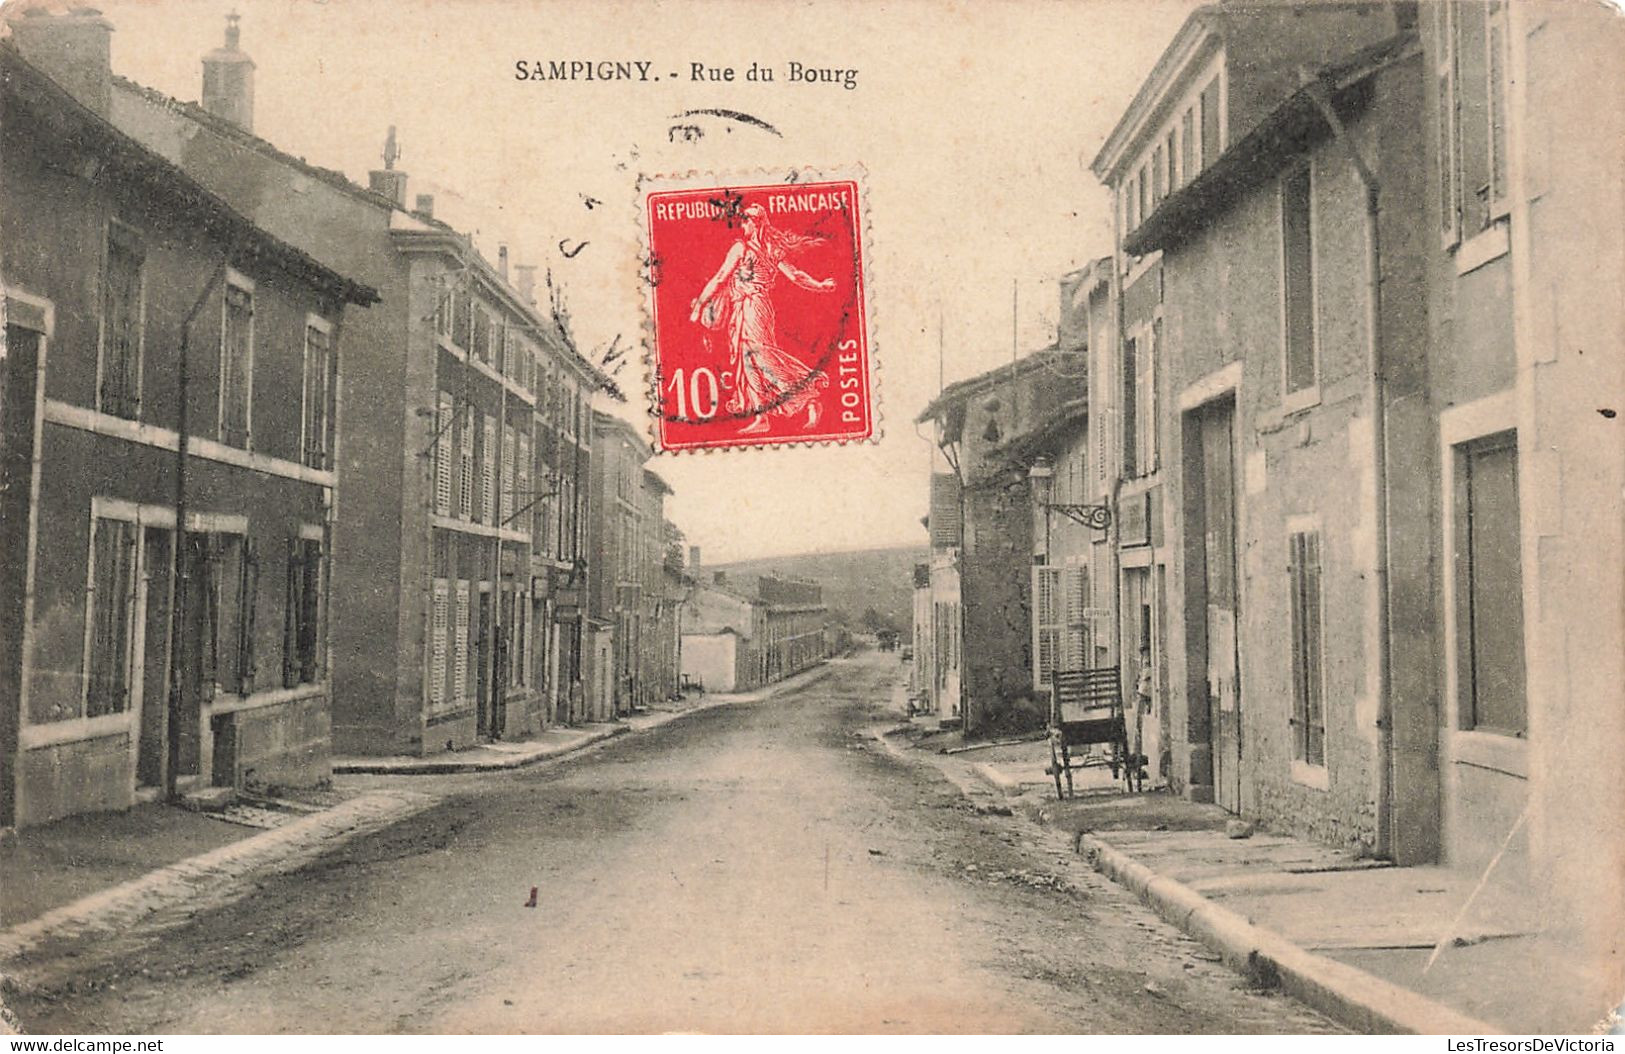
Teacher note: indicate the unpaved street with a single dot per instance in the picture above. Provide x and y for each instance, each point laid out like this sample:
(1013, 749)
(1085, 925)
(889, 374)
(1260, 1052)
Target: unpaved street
(760, 867)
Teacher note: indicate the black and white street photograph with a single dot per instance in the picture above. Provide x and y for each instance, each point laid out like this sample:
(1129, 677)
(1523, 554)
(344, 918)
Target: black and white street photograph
(678, 518)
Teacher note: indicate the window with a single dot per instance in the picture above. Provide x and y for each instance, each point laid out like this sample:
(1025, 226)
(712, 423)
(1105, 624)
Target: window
(462, 311)
(122, 318)
(488, 483)
(1159, 187)
(1143, 184)
(1131, 409)
(507, 485)
(1470, 84)
(1212, 131)
(237, 362)
(318, 392)
(301, 627)
(443, 308)
(465, 462)
(523, 499)
(439, 621)
(1048, 618)
(481, 345)
(1171, 159)
(1298, 280)
(444, 416)
(1145, 398)
(462, 669)
(1188, 162)
(1075, 643)
(1308, 686)
(110, 612)
(1489, 587)
(230, 593)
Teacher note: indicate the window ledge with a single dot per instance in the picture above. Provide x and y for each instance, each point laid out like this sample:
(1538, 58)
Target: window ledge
(1492, 243)
(1316, 777)
(1299, 401)
(1491, 750)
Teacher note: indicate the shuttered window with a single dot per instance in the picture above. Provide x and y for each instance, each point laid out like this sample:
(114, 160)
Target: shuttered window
(237, 365)
(1131, 409)
(1212, 133)
(1048, 623)
(465, 463)
(1490, 669)
(522, 498)
(1300, 369)
(121, 323)
(462, 669)
(440, 619)
(301, 629)
(111, 614)
(444, 416)
(1308, 688)
(506, 487)
(1470, 79)
(1075, 653)
(488, 484)
(318, 394)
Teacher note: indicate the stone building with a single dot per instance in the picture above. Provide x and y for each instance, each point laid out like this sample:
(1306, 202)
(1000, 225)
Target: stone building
(793, 613)
(166, 362)
(1388, 477)
(456, 598)
(981, 526)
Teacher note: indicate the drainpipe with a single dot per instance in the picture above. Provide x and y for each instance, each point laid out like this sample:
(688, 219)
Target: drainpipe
(177, 594)
(1376, 391)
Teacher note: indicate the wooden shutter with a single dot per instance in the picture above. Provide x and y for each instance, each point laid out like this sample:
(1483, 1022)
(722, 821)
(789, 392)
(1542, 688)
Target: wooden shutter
(461, 667)
(442, 455)
(247, 606)
(1446, 103)
(488, 485)
(1077, 618)
(291, 614)
(1308, 692)
(439, 619)
(465, 459)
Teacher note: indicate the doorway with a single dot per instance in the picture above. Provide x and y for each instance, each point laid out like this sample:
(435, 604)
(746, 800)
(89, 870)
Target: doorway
(1213, 593)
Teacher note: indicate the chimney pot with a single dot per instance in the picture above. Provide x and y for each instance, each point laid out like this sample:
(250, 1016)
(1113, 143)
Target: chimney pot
(228, 79)
(74, 49)
(502, 261)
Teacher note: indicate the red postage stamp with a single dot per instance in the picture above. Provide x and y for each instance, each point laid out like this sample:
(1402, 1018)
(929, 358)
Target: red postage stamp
(758, 314)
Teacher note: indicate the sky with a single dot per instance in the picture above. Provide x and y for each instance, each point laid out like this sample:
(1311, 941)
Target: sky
(975, 123)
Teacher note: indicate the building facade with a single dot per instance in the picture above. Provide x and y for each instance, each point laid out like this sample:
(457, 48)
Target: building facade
(981, 526)
(166, 363)
(793, 614)
(721, 631)
(455, 597)
(1382, 519)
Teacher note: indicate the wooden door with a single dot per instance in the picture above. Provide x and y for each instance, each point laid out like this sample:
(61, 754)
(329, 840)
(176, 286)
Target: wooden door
(1219, 546)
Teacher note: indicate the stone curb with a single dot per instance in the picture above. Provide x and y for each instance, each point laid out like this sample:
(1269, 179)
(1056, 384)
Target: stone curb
(1351, 996)
(442, 766)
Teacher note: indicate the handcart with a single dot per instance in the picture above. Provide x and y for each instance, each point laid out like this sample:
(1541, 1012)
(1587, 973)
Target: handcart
(1086, 709)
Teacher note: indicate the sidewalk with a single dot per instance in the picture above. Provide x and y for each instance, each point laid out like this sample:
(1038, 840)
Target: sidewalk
(557, 742)
(1350, 936)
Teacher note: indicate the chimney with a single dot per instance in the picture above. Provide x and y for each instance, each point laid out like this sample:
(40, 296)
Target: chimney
(526, 282)
(228, 80)
(693, 558)
(388, 182)
(502, 261)
(74, 49)
(425, 207)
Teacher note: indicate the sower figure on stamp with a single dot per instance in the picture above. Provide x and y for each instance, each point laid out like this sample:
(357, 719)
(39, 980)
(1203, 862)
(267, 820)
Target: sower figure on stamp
(767, 379)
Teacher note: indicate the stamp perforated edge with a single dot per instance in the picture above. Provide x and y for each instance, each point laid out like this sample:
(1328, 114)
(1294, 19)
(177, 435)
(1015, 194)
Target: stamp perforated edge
(721, 179)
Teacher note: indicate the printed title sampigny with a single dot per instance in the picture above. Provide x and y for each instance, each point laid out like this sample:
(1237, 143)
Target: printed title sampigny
(643, 71)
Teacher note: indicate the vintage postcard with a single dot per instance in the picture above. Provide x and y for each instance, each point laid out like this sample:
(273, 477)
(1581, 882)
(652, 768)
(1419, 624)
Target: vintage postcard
(816, 517)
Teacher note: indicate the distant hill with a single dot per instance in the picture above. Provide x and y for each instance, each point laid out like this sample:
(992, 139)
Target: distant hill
(853, 581)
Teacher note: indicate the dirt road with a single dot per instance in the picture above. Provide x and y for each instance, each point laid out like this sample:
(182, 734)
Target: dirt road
(750, 868)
